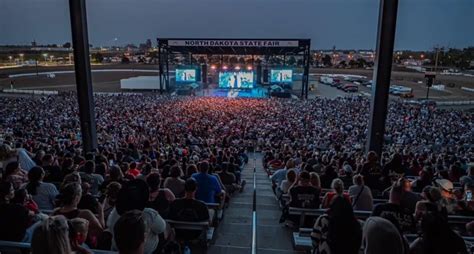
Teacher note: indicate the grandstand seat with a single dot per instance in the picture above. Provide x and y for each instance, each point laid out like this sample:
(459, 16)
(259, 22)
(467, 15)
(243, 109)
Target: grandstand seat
(19, 247)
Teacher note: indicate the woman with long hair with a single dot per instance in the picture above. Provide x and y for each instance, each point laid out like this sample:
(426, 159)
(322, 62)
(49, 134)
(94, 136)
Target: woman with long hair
(44, 194)
(70, 196)
(338, 231)
(51, 237)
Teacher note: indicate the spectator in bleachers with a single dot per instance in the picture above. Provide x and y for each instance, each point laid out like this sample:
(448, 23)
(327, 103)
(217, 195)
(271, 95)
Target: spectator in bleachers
(134, 195)
(337, 187)
(288, 182)
(338, 231)
(371, 170)
(394, 211)
(78, 230)
(409, 198)
(14, 218)
(95, 179)
(88, 201)
(280, 175)
(115, 175)
(51, 237)
(228, 178)
(23, 198)
(360, 194)
(111, 194)
(328, 176)
(130, 233)
(208, 185)
(174, 182)
(190, 209)
(469, 178)
(465, 206)
(448, 199)
(159, 198)
(346, 174)
(314, 180)
(302, 194)
(437, 237)
(14, 174)
(44, 194)
(425, 179)
(381, 236)
(51, 167)
(70, 196)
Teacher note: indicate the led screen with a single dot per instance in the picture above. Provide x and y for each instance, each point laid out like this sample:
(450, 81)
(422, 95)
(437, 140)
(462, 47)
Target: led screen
(281, 76)
(185, 75)
(236, 79)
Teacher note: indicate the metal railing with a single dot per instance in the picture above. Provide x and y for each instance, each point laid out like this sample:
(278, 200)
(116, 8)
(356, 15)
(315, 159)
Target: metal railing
(254, 209)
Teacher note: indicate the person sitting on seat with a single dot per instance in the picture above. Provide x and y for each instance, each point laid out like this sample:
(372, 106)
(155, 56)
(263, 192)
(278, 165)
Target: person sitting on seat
(208, 185)
(303, 194)
(51, 237)
(360, 194)
(130, 232)
(338, 191)
(189, 209)
(338, 231)
(394, 211)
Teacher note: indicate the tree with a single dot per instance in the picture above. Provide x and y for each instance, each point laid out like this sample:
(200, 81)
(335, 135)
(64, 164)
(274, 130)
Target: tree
(125, 59)
(352, 63)
(342, 63)
(67, 45)
(361, 63)
(291, 61)
(98, 57)
(327, 60)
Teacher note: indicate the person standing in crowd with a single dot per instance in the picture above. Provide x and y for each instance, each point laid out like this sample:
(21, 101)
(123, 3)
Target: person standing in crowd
(288, 182)
(372, 172)
(360, 194)
(409, 198)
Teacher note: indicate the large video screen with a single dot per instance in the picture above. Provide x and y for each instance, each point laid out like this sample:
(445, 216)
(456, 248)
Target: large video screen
(185, 75)
(236, 79)
(281, 76)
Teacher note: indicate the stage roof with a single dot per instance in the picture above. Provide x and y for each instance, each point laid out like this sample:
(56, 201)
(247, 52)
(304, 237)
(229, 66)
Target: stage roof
(235, 46)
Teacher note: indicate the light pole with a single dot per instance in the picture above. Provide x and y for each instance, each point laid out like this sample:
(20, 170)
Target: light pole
(45, 56)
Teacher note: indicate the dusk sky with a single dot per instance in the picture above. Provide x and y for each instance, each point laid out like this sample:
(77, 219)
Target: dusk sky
(347, 24)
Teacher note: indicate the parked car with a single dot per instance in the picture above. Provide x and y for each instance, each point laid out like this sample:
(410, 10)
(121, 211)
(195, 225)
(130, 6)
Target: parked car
(350, 88)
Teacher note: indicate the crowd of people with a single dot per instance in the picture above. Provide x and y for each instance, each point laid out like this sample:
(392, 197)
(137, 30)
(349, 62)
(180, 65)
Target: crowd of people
(163, 157)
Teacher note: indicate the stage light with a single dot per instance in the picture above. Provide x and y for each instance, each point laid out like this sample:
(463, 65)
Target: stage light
(249, 68)
(237, 68)
(213, 67)
(224, 67)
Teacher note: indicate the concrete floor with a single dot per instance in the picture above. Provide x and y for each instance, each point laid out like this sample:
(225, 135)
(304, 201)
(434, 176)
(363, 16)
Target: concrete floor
(234, 234)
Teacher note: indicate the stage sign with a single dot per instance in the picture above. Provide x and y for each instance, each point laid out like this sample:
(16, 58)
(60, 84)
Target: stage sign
(232, 43)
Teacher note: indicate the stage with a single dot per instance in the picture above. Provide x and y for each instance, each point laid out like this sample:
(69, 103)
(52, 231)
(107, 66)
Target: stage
(257, 92)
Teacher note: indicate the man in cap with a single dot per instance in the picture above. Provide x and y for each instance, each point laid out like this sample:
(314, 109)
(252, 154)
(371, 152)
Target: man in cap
(446, 187)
